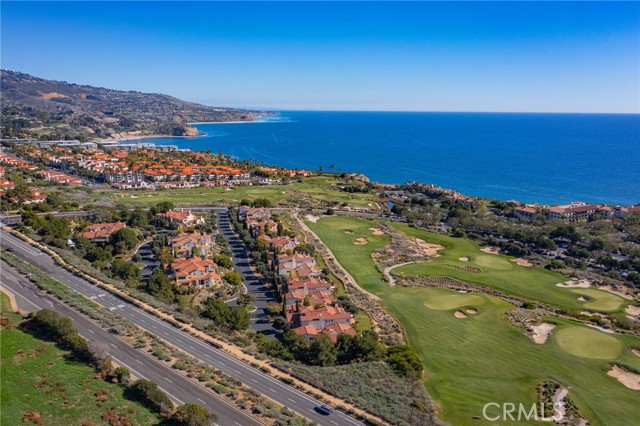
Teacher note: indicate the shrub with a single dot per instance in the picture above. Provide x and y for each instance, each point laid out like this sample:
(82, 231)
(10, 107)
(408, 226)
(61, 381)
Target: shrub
(151, 395)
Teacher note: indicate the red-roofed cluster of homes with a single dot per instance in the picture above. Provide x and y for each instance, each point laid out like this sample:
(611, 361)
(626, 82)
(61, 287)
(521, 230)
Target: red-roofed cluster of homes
(575, 211)
(100, 232)
(182, 218)
(192, 267)
(59, 177)
(35, 195)
(194, 272)
(308, 298)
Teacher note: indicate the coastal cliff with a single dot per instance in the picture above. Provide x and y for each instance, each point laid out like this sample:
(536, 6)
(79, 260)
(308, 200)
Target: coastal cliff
(34, 107)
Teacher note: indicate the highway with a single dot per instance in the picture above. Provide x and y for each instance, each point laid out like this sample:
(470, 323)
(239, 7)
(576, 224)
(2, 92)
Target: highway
(251, 377)
(179, 388)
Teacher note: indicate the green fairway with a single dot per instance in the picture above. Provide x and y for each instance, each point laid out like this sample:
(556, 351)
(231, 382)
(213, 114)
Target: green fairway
(500, 273)
(599, 300)
(454, 301)
(41, 380)
(482, 358)
(588, 343)
(319, 190)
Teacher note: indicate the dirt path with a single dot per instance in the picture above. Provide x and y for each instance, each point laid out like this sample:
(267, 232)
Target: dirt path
(388, 269)
(12, 299)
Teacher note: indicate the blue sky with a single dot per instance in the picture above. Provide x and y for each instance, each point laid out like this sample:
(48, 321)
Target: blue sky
(419, 56)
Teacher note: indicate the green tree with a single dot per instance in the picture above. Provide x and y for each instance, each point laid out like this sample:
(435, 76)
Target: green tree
(238, 318)
(404, 360)
(124, 240)
(223, 261)
(233, 278)
(126, 271)
(216, 310)
(162, 207)
(322, 351)
(193, 415)
(246, 299)
(138, 218)
(159, 285)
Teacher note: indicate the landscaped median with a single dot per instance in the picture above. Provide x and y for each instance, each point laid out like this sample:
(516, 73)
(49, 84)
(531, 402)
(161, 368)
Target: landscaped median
(233, 350)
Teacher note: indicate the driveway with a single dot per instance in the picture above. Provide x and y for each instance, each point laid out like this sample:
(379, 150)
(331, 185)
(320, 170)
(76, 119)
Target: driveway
(255, 286)
(148, 259)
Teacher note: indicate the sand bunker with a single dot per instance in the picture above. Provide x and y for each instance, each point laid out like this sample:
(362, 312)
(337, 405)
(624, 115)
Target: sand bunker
(360, 241)
(463, 259)
(582, 299)
(540, 333)
(349, 232)
(491, 250)
(627, 378)
(459, 314)
(376, 231)
(620, 293)
(575, 283)
(636, 352)
(633, 310)
(471, 311)
(428, 249)
(522, 262)
(312, 218)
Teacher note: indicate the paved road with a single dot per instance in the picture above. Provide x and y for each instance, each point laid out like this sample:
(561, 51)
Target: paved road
(148, 259)
(255, 286)
(181, 390)
(13, 219)
(248, 375)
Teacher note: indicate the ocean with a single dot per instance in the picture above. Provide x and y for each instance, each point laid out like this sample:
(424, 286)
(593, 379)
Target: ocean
(543, 158)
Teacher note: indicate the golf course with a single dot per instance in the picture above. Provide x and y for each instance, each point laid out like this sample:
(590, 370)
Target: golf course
(473, 355)
(315, 189)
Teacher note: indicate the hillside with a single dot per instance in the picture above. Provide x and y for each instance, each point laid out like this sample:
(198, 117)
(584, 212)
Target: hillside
(48, 109)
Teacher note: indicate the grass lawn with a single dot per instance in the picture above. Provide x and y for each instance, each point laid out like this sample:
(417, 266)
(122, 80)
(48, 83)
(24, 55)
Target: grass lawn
(319, 189)
(500, 273)
(40, 379)
(483, 358)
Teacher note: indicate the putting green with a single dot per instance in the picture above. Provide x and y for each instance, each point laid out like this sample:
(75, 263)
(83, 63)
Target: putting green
(588, 343)
(494, 262)
(599, 300)
(453, 301)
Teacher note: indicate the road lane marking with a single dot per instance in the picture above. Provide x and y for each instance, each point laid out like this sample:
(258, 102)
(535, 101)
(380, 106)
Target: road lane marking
(168, 380)
(91, 331)
(114, 346)
(201, 400)
(219, 354)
